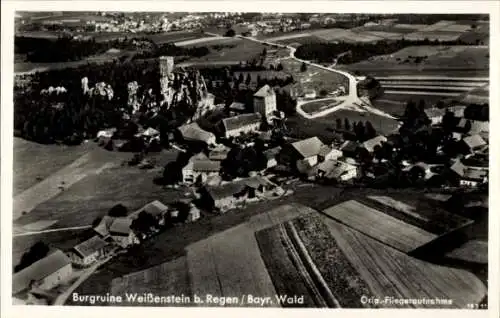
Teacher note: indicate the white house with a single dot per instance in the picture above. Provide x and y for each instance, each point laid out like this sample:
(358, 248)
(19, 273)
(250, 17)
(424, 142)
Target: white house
(329, 153)
(200, 170)
(45, 274)
(245, 123)
(89, 251)
(306, 150)
(121, 233)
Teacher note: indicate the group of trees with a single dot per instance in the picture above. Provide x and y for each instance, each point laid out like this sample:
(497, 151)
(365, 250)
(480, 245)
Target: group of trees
(324, 52)
(361, 131)
(38, 251)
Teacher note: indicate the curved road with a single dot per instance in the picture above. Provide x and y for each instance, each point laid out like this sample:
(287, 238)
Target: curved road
(351, 99)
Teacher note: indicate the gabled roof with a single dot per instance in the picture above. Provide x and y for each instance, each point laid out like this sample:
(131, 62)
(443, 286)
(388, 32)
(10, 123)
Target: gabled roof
(103, 227)
(371, 143)
(155, 208)
(237, 106)
(308, 147)
(475, 174)
(349, 145)
(434, 112)
(150, 132)
(194, 132)
(458, 167)
(225, 190)
(242, 120)
(121, 226)
(264, 91)
(474, 141)
(90, 246)
(39, 270)
(204, 165)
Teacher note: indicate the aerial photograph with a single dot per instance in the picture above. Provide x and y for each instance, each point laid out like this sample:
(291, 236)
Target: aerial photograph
(250, 159)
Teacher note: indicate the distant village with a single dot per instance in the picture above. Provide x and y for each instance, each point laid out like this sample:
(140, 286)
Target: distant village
(245, 156)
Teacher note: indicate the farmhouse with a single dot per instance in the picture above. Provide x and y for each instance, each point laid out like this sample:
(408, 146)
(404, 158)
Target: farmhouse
(154, 208)
(193, 133)
(372, 143)
(121, 232)
(219, 153)
(334, 170)
(200, 170)
(271, 156)
(306, 150)
(264, 101)
(45, 273)
(228, 195)
(241, 124)
(435, 115)
(89, 251)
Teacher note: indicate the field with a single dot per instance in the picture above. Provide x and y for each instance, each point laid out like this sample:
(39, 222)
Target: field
(163, 280)
(342, 278)
(380, 226)
(426, 217)
(49, 159)
(314, 77)
(344, 35)
(391, 273)
(434, 57)
(474, 251)
(239, 50)
(285, 268)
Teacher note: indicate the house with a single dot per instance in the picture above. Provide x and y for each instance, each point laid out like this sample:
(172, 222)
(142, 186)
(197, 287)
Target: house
(155, 208)
(237, 108)
(45, 274)
(219, 154)
(471, 144)
(241, 124)
(349, 148)
(228, 195)
(264, 101)
(121, 233)
(435, 115)
(271, 156)
(89, 251)
(329, 153)
(149, 134)
(200, 170)
(370, 144)
(193, 133)
(306, 150)
(334, 170)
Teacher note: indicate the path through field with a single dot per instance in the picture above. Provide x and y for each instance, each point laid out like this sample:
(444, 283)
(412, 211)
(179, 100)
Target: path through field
(229, 263)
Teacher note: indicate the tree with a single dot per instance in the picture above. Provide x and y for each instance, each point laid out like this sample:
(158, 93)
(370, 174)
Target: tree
(118, 210)
(347, 124)
(467, 126)
(172, 173)
(370, 131)
(338, 123)
(279, 67)
(359, 130)
(264, 52)
(248, 79)
(303, 67)
(241, 78)
(37, 251)
(230, 33)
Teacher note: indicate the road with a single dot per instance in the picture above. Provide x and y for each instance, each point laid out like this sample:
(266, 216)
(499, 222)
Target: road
(350, 101)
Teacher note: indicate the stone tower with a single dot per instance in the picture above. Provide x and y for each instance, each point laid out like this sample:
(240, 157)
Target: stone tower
(166, 69)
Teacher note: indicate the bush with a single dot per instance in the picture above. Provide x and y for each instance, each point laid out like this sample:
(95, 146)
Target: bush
(230, 33)
(118, 210)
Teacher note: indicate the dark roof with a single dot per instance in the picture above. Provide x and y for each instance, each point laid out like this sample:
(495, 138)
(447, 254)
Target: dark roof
(155, 208)
(103, 227)
(308, 147)
(39, 270)
(206, 165)
(264, 91)
(272, 153)
(225, 190)
(90, 246)
(349, 145)
(239, 121)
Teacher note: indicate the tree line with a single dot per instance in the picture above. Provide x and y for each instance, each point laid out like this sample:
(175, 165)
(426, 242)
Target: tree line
(355, 52)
